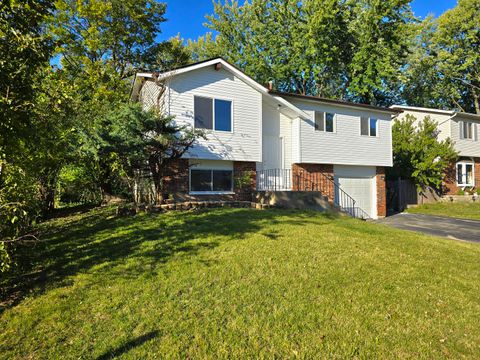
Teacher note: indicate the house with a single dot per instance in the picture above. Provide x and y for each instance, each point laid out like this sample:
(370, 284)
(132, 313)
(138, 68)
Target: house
(463, 129)
(281, 141)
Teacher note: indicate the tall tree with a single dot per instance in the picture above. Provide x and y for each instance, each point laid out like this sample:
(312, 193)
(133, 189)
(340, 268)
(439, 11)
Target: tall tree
(24, 47)
(382, 30)
(334, 48)
(458, 44)
(300, 46)
(443, 70)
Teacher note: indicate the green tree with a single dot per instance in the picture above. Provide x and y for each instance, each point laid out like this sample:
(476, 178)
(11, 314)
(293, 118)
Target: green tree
(24, 47)
(443, 68)
(418, 154)
(382, 30)
(334, 48)
(145, 141)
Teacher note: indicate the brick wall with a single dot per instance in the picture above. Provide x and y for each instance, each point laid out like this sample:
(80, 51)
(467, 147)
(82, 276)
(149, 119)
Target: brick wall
(307, 177)
(176, 182)
(381, 192)
(450, 180)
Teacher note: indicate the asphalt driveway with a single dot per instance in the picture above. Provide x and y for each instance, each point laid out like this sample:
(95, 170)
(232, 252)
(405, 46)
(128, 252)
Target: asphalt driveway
(457, 229)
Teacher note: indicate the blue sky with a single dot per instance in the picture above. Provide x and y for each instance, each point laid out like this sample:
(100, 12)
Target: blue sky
(187, 16)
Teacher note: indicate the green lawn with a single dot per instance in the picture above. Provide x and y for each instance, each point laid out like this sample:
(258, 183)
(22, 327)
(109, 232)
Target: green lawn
(470, 210)
(241, 283)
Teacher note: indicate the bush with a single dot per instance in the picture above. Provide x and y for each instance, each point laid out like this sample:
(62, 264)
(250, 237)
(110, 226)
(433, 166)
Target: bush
(77, 185)
(460, 192)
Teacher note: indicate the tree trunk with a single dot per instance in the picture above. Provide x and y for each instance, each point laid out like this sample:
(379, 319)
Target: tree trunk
(157, 174)
(47, 194)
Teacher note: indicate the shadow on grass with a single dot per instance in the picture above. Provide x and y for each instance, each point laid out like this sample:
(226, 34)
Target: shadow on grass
(112, 354)
(99, 242)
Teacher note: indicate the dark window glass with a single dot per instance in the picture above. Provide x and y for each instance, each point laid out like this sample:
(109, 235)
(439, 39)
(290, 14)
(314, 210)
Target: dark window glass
(459, 173)
(467, 130)
(319, 121)
(329, 122)
(203, 110)
(373, 127)
(364, 125)
(201, 180)
(222, 180)
(223, 115)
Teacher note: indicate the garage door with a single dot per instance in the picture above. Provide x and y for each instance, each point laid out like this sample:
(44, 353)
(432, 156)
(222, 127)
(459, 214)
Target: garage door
(358, 182)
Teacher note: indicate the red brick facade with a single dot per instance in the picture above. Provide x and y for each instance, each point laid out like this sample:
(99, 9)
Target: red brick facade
(308, 177)
(381, 192)
(450, 180)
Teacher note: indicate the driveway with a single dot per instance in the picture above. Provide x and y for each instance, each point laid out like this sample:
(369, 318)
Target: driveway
(457, 229)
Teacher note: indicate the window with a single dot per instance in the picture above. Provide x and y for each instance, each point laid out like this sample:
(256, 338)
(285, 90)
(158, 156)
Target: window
(368, 126)
(211, 180)
(212, 114)
(324, 121)
(466, 130)
(465, 174)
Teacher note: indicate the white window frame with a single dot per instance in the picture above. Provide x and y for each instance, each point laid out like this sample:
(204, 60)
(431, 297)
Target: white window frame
(464, 173)
(209, 192)
(369, 128)
(324, 119)
(213, 113)
(472, 130)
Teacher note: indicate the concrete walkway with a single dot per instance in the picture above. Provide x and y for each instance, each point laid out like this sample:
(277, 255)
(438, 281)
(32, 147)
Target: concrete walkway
(452, 228)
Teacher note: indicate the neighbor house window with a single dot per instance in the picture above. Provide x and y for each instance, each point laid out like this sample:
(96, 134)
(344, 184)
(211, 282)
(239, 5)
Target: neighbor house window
(368, 126)
(465, 174)
(467, 130)
(211, 180)
(212, 114)
(324, 121)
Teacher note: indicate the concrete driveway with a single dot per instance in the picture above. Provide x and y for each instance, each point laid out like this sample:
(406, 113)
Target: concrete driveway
(457, 229)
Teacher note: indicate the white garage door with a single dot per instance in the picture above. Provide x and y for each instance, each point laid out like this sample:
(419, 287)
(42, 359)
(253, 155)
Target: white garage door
(358, 182)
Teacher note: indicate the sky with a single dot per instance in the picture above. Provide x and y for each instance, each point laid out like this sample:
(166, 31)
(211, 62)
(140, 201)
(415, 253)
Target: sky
(187, 16)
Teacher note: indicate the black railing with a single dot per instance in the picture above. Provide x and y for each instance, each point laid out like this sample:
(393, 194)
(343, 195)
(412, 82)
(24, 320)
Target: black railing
(285, 180)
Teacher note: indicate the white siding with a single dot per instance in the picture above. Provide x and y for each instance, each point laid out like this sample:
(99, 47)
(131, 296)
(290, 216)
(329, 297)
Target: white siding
(345, 146)
(276, 125)
(149, 95)
(449, 128)
(466, 147)
(244, 143)
(442, 121)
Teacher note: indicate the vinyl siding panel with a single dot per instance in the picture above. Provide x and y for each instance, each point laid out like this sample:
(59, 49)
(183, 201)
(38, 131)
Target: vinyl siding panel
(149, 95)
(449, 128)
(345, 146)
(466, 147)
(442, 121)
(244, 143)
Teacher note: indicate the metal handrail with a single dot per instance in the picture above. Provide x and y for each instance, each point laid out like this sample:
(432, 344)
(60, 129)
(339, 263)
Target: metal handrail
(281, 180)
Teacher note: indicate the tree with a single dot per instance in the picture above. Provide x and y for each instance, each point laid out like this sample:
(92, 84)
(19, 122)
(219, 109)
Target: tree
(458, 44)
(382, 30)
(334, 48)
(443, 68)
(418, 154)
(24, 47)
(146, 141)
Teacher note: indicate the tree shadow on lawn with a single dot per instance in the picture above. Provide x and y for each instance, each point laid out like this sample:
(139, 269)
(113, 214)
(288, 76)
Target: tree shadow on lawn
(114, 353)
(98, 242)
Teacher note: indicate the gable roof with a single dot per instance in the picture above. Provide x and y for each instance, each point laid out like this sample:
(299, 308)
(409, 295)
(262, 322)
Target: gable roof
(227, 66)
(339, 102)
(451, 113)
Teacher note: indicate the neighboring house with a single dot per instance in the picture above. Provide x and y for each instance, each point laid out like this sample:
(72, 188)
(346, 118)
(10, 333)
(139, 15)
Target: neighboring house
(287, 142)
(463, 129)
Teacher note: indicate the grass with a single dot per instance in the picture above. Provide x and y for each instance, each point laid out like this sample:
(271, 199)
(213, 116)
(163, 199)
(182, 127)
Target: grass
(240, 283)
(463, 210)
